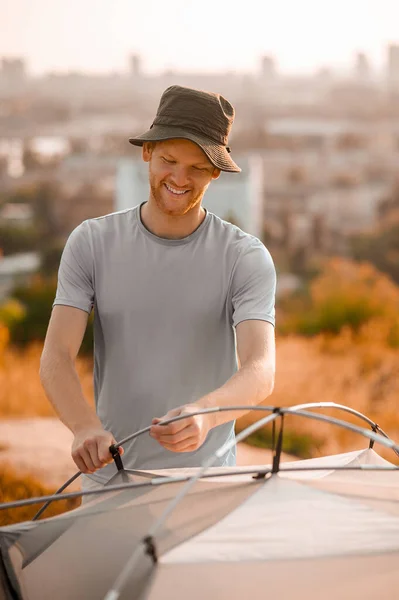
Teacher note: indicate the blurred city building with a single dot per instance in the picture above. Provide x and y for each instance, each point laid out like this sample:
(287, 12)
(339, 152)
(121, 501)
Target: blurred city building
(393, 68)
(135, 65)
(13, 76)
(326, 179)
(77, 91)
(363, 70)
(16, 214)
(319, 152)
(268, 67)
(17, 269)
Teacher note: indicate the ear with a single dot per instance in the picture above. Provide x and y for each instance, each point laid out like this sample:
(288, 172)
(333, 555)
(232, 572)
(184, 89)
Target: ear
(147, 151)
(216, 173)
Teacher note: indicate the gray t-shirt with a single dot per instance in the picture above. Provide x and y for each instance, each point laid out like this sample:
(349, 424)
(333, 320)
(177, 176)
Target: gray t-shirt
(164, 318)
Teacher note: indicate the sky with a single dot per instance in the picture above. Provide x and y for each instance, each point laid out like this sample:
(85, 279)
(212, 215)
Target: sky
(97, 36)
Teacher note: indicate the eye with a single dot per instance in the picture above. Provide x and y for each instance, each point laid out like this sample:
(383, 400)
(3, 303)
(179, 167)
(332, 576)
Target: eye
(202, 170)
(168, 162)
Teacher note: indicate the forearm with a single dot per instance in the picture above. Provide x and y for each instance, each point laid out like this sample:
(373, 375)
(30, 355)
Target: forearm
(250, 386)
(62, 386)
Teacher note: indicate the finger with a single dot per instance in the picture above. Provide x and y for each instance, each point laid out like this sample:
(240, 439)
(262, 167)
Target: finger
(86, 458)
(79, 462)
(176, 438)
(172, 428)
(182, 447)
(104, 455)
(166, 433)
(175, 412)
(92, 447)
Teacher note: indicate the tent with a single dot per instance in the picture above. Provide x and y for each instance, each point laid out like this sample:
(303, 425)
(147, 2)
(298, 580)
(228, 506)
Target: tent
(325, 528)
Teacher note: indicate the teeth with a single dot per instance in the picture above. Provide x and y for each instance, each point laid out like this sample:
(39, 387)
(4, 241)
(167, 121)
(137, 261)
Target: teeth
(175, 191)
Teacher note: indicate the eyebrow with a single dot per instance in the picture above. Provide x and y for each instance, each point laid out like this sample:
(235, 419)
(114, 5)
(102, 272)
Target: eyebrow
(198, 165)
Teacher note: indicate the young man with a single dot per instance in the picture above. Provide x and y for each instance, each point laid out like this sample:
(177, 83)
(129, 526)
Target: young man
(177, 293)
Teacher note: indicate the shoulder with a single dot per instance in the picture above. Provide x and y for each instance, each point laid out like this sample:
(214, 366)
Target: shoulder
(237, 241)
(111, 221)
(249, 258)
(103, 229)
(85, 236)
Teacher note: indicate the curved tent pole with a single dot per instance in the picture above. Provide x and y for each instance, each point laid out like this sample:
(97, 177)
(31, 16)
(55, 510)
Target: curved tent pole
(374, 426)
(384, 441)
(115, 447)
(148, 544)
(58, 492)
(293, 410)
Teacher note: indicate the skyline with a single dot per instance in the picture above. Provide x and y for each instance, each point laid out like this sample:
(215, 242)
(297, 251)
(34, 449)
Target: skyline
(97, 36)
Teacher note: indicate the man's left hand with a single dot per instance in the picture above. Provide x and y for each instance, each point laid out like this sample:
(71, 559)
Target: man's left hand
(185, 435)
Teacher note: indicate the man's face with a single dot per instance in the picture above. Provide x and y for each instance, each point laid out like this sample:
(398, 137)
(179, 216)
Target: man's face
(179, 174)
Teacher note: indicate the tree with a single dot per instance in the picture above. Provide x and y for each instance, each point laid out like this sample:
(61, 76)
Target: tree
(296, 175)
(17, 239)
(36, 300)
(78, 145)
(43, 201)
(3, 166)
(30, 158)
(348, 295)
(381, 247)
(50, 260)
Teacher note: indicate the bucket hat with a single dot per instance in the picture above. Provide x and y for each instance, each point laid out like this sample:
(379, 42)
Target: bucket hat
(204, 118)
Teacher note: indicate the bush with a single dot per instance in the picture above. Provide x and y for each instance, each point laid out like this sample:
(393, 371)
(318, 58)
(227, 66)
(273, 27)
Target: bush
(346, 295)
(50, 259)
(11, 312)
(36, 300)
(301, 445)
(18, 239)
(18, 487)
(4, 338)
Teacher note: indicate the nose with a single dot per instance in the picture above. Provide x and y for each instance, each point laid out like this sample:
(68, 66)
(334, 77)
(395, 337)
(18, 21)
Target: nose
(179, 176)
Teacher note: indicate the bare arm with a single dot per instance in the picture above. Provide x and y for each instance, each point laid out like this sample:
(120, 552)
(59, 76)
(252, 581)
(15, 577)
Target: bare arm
(57, 368)
(253, 383)
(62, 386)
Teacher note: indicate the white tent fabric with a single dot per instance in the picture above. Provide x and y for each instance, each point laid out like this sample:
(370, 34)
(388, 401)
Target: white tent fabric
(281, 519)
(349, 578)
(316, 532)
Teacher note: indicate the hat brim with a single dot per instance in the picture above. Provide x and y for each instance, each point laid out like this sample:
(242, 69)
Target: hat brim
(217, 153)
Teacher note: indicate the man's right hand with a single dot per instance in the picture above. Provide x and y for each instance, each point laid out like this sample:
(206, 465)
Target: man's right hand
(90, 449)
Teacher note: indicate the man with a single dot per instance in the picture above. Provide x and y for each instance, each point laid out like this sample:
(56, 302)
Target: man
(176, 292)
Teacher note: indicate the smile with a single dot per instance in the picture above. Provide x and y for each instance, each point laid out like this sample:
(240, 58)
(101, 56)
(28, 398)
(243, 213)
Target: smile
(176, 192)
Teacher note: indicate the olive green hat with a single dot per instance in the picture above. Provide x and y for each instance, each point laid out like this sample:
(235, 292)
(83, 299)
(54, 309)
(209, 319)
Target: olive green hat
(202, 117)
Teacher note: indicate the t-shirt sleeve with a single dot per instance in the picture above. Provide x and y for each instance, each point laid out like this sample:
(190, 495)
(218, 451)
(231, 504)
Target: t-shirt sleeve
(75, 275)
(254, 285)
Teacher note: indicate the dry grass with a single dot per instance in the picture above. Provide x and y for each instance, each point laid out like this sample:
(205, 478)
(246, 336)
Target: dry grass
(18, 487)
(21, 392)
(360, 373)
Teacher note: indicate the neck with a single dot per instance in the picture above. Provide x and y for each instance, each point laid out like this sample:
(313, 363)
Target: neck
(171, 227)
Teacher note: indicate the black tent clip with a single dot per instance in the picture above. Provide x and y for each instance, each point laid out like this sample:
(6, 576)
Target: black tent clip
(150, 548)
(375, 428)
(116, 456)
(277, 449)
